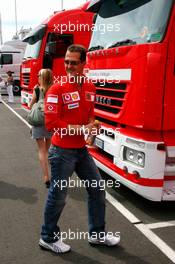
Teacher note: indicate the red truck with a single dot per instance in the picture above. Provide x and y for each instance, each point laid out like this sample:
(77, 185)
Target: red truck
(131, 60)
(47, 44)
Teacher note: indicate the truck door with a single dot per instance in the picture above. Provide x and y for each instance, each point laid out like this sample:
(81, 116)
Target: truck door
(56, 47)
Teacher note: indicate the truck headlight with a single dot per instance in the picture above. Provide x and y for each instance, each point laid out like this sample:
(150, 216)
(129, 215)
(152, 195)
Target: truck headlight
(130, 154)
(134, 156)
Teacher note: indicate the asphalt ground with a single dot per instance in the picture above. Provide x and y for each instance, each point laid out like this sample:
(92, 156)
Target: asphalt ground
(22, 198)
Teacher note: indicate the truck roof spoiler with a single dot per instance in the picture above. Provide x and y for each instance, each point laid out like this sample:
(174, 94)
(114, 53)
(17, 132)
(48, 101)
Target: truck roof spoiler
(36, 34)
(94, 6)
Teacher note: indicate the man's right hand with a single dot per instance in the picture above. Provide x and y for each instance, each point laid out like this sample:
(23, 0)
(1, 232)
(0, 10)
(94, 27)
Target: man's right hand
(93, 128)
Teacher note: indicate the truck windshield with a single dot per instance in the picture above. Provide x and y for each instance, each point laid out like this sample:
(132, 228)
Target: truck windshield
(119, 23)
(32, 50)
(34, 40)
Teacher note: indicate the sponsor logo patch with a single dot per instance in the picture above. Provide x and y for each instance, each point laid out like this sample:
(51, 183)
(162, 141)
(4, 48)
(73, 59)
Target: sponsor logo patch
(52, 99)
(51, 108)
(90, 96)
(72, 106)
(70, 97)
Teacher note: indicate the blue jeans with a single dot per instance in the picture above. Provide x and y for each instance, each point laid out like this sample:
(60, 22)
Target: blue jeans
(63, 163)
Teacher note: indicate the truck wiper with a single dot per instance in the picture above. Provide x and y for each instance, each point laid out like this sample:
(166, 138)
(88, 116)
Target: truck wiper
(126, 42)
(96, 48)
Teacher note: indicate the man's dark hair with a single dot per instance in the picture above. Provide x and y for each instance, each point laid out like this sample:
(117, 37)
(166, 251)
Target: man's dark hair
(78, 48)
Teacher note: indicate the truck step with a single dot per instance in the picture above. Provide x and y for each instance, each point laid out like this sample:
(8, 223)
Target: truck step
(169, 191)
(170, 169)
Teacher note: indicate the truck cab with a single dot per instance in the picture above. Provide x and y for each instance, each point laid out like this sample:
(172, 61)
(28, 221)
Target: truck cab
(47, 44)
(131, 61)
(11, 54)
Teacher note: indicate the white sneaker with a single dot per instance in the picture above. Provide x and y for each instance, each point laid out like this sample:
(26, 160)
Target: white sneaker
(108, 240)
(57, 247)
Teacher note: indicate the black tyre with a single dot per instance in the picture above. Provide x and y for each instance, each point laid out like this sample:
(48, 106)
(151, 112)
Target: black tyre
(16, 88)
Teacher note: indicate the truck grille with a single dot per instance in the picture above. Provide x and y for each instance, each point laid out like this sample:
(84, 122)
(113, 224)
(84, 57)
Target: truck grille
(25, 79)
(106, 121)
(110, 97)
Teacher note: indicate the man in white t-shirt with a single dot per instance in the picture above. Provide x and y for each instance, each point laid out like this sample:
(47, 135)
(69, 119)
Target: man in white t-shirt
(9, 85)
(2, 84)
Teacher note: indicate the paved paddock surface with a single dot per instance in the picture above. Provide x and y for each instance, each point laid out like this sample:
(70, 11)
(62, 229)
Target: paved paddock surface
(22, 197)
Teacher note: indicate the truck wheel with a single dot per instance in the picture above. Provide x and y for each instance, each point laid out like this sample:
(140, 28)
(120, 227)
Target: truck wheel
(16, 89)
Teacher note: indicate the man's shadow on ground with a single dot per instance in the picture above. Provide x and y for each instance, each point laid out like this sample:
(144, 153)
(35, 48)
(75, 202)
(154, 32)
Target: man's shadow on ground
(118, 253)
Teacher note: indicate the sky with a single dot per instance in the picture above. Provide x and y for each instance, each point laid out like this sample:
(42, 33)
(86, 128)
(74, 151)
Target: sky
(30, 13)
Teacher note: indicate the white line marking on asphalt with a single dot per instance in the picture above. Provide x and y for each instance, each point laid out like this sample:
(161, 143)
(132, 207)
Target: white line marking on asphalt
(158, 242)
(20, 117)
(160, 224)
(125, 212)
(144, 229)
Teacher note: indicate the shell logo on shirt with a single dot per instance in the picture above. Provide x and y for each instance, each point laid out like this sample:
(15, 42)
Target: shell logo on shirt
(75, 96)
(70, 97)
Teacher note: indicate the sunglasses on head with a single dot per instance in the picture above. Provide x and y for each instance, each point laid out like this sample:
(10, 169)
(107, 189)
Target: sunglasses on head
(74, 63)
